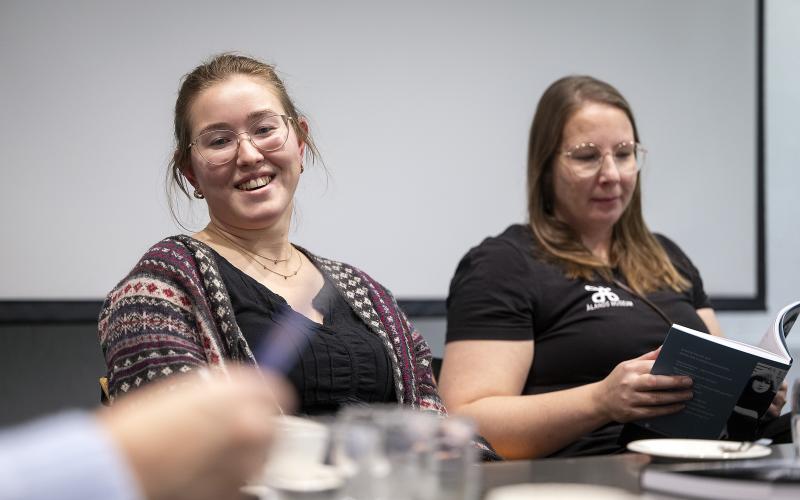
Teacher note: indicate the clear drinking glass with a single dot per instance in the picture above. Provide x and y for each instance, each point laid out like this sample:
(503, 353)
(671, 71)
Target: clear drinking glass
(394, 453)
(456, 458)
(358, 452)
(386, 453)
(796, 419)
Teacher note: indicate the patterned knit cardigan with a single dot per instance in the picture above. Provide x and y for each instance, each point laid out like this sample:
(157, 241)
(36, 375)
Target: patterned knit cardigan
(172, 313)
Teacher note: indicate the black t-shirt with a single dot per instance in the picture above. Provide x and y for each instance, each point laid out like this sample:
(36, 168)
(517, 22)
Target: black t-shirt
(338, 362)
(582, 329)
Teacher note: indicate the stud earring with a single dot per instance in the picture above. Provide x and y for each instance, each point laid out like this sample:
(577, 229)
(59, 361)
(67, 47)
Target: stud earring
(302, 168)
(198, 194)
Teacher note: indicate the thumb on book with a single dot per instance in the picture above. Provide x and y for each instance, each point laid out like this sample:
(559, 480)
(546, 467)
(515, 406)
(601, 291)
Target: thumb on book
(650, 355)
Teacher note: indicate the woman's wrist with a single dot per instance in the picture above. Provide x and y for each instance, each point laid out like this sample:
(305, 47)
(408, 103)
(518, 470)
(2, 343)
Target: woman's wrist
(598, 397)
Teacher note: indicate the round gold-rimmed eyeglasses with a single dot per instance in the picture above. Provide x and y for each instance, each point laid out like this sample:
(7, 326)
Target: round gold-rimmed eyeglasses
(219, 146)
(586, 159)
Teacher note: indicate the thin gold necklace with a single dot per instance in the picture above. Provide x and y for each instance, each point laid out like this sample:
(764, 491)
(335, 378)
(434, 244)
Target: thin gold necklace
(254, 256)
(274, 261)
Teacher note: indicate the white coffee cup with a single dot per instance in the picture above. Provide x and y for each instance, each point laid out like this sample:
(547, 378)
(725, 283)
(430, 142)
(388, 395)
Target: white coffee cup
(297, 445)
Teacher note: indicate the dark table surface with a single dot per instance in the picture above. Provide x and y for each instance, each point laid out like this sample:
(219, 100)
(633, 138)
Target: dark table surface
(620, 471)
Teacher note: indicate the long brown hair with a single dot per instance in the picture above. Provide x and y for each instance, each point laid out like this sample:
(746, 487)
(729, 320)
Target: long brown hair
(211, 72)
(634, 250)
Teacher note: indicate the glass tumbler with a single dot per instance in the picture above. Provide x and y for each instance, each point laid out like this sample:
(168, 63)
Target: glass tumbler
(796, 419)
(457, 460)
(385, 452)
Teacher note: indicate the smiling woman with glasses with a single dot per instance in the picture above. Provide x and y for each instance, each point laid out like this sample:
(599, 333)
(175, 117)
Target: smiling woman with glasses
(553, 325)
(238, 291)
(220, 295)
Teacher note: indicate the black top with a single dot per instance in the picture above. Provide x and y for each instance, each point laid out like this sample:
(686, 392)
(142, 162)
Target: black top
(582, 329)
(338, 362)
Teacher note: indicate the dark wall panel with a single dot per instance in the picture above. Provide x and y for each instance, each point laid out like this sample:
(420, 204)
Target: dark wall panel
(47, 367)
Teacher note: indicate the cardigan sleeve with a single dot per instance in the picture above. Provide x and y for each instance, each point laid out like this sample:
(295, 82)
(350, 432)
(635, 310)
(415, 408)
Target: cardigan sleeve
(427, 392)
(156, 322)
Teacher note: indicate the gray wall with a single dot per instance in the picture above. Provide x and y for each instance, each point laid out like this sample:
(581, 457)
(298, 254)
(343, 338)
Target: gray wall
(421, 110)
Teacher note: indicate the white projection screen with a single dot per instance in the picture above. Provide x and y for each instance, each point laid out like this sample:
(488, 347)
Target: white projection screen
(421, 110)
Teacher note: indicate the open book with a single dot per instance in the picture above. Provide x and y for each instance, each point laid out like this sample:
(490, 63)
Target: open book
(773, 479)
(734, 383)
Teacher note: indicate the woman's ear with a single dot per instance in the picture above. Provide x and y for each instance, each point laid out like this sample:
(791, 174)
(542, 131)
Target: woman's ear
(187, 172)
(185, 168)
(303, 124)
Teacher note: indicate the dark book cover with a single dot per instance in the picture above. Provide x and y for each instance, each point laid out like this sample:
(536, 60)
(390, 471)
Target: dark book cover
(734, 385)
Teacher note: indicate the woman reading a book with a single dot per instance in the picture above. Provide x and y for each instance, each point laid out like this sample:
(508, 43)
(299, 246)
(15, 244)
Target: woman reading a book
(553, 325)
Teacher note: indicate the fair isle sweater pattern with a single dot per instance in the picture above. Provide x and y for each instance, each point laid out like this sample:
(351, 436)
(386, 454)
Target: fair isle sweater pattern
(173, 314)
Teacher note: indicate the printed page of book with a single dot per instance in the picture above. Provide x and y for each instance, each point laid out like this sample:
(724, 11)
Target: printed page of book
(734, 344)
(774, 338)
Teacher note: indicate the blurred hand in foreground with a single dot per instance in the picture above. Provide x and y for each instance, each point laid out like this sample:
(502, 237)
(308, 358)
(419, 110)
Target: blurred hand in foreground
(202, 438)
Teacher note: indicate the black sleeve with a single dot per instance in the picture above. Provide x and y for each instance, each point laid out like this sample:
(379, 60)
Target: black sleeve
(491, 295)
(684, 266)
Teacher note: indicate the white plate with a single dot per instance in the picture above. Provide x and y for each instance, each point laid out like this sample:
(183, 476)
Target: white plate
(260, 491)
(309, 479)
(558, 491)
(698, 449)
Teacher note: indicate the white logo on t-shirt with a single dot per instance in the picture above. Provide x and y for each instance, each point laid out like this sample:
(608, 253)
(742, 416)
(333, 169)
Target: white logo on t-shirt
(603, 297)
(602, 294)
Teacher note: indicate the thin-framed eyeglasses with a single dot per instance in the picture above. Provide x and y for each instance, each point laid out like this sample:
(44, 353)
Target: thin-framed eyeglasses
(267, 133)
(586, 159)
